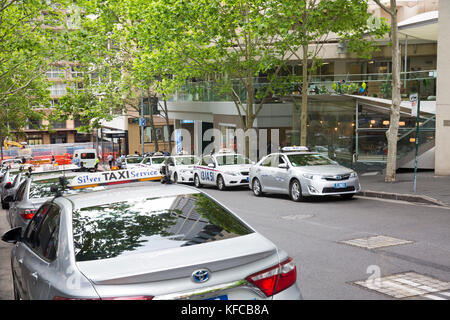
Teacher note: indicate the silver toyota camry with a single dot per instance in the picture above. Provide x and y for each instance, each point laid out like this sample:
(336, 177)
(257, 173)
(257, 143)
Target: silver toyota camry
(300, 173)
(145, 241)
(31, 194)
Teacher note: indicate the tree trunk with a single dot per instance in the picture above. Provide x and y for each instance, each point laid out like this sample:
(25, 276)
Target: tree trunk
(392, 133)
(152, 125)
(166, 112)
(304, 113)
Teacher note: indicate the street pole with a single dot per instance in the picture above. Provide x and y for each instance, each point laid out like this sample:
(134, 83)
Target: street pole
(417, 140)
(140, 121)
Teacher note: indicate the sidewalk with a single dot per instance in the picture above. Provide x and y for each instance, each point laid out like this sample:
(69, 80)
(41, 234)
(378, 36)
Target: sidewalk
(430, 188)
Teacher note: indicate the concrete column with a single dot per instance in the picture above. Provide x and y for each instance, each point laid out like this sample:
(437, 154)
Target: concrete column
(197, 137)
(442, 155)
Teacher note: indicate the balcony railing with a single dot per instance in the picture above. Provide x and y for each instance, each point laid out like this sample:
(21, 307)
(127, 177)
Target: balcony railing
(374, 85)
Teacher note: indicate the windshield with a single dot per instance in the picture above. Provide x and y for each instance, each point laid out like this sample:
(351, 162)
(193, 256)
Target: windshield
(134, 160)
(186, 160)
(301, 160)
(153, 224)
(226, 160)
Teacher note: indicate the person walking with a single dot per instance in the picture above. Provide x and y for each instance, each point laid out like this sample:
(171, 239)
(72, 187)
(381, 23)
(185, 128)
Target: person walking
(110, 161)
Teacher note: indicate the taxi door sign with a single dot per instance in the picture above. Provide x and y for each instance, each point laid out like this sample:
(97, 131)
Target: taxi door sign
(114, 177)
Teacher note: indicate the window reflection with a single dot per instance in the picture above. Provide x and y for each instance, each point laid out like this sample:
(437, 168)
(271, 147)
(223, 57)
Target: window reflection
(123, 228)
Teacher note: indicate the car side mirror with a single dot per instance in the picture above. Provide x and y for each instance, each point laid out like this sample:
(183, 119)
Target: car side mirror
(211, 165)
(283, 166)
(13, 235)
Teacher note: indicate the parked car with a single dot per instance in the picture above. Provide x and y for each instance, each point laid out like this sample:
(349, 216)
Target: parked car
(142, 243)
(129, 162)
(9, 190)
(222, 169)
(181, 167)
(300, 173)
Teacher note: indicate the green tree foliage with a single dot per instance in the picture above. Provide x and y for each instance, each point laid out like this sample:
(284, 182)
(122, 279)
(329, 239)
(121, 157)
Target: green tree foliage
(28, 46)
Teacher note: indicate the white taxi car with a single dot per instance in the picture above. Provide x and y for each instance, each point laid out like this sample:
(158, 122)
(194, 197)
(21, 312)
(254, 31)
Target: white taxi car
(223, 169)
(181, 167)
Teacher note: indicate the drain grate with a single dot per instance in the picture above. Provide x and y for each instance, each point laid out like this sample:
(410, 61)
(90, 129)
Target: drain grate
(405, 285)
(375, 242)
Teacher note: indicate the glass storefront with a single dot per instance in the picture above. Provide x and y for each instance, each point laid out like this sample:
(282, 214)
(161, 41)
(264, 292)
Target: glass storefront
(355, 136)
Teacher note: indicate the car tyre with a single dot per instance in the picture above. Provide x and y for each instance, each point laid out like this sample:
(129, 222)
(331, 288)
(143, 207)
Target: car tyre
(347, 196)
(256, 187)
(295, 191)
(197, 183)
(220, 183)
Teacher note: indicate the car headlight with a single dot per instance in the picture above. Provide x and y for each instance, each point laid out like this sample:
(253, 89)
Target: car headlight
(353, 175)
(231, 173)
(308, 176)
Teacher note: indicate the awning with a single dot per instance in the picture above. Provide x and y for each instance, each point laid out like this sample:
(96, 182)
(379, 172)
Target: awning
(422, 26)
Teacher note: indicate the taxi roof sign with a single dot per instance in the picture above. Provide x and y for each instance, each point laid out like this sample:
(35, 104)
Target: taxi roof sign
(87, 180)
(294, 149)
(225, 150)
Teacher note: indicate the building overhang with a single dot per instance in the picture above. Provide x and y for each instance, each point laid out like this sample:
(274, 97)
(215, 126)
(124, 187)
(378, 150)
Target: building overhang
(422, 26)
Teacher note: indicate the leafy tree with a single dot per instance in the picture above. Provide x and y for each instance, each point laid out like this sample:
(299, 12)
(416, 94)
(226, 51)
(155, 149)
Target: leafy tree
(311, 23)
(29, 44)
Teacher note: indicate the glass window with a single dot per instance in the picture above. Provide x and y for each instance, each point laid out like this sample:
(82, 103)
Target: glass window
(47, 239)
(267, 162)
(206, 160)
(313, 159)
(88, 155)
(158, 160)
(278, 160)
(31, 232)
(55, 72)
(134, 160)
(58, 138)
(118, 229)
(21, 191)
(232, 159)
(186, 160)
(58, 89)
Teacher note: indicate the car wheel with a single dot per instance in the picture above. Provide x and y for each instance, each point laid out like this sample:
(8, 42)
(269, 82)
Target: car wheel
(197, 183)
(347, 196)
(220, 183)
(175, 177)
(295, 190)
(256, 187)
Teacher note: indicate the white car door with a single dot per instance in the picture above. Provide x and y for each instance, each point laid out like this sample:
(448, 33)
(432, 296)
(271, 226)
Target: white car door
(206, 170)
(280, 176)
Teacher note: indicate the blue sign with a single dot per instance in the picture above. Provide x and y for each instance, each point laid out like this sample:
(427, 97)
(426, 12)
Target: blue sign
(141, 122)
(179, 146)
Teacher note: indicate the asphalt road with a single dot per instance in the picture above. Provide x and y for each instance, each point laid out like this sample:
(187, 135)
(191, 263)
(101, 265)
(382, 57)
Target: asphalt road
(311, 233)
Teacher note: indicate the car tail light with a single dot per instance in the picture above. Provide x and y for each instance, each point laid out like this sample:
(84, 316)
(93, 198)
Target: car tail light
(28, 214)
(275, 279)
(110, 298)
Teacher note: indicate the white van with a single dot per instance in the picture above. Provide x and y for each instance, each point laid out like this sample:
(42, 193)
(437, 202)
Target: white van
(87, 157)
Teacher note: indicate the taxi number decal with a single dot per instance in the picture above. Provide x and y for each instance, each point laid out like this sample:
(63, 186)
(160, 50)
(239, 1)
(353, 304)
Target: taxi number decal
(207, 175)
